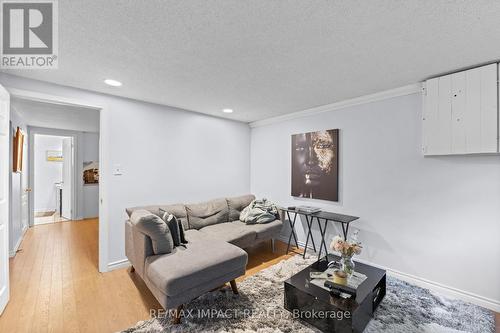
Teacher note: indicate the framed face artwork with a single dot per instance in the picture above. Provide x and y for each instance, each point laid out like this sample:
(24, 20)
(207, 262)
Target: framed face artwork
(315, 165)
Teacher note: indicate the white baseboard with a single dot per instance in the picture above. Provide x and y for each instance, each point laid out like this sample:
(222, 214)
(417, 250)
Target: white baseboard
(118, 264)
(4, 298)
(45, 222)
(16, 247)
(445, 290)
(440, 288)
(45, 210)
(19, 241)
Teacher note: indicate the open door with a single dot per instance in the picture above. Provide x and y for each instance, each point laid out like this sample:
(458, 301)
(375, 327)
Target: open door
(67, 183)
(25, 191)
(4, 197)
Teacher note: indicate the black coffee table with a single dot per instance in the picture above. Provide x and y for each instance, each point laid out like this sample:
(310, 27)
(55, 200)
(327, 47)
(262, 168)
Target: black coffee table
(317, 307)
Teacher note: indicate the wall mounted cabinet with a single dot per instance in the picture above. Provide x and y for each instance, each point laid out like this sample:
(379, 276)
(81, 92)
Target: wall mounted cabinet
(460, 112)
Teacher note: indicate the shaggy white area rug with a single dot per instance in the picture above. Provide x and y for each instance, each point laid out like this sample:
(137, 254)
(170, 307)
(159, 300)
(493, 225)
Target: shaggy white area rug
(259, 308)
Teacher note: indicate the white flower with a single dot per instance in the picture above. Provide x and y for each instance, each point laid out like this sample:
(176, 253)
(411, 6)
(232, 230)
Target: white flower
(336, 243)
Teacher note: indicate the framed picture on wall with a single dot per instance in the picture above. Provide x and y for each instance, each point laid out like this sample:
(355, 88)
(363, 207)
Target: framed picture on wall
(90, 172)
(17, 162)
(315, 165)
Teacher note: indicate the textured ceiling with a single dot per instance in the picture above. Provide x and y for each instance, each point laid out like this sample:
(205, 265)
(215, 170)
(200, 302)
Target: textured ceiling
(266, 58)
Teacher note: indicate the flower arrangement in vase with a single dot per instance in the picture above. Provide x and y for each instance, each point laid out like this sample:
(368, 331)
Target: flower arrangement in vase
(347, 250)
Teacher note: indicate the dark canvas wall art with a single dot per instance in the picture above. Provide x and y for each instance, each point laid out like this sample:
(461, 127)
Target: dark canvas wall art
(315, 165)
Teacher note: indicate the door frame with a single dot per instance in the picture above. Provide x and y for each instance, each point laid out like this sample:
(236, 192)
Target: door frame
(22, 192)
(76, 187)
(4, 251)
(103, 161)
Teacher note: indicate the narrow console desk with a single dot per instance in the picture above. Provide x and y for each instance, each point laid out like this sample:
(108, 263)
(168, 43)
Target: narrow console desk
(320, 217)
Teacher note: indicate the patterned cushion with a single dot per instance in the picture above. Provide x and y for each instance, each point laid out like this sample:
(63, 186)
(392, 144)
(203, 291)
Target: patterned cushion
(175, 226)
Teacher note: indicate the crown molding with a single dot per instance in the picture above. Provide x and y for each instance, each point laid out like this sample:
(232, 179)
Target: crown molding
(386, 94)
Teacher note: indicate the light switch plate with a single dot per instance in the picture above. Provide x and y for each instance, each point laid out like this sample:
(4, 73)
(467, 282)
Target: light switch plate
(117, 170)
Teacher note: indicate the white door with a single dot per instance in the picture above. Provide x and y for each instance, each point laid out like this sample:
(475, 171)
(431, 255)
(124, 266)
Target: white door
(4, 197)
(67, 186)
(25, 192)
(24, 200)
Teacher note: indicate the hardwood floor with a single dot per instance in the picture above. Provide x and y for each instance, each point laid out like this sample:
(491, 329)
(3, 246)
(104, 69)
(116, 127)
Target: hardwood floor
(56, 287)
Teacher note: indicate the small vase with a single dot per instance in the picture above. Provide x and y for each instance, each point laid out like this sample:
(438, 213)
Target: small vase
(347, 265)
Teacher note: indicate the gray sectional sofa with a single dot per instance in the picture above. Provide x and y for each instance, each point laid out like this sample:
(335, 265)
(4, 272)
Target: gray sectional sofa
(212, 257)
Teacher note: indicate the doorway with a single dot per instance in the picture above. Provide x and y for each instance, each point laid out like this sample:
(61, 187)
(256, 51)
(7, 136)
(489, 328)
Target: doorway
(84, 121)
(53, 163)
(46, 114)
(71, 193)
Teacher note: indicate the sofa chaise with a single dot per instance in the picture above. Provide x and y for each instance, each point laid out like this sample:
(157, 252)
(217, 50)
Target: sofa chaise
(213, 255)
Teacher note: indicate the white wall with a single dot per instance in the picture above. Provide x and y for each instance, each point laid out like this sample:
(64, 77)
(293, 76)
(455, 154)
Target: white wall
(434, 218)
(18, 183)
(47, 173)
(90, 143)
(167, 155)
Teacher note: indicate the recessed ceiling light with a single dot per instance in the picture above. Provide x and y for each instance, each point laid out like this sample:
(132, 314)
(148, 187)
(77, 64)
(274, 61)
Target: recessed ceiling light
(113, 83)
(227, 110)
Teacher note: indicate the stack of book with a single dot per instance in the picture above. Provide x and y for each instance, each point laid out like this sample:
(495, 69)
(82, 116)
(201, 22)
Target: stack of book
(325, 280)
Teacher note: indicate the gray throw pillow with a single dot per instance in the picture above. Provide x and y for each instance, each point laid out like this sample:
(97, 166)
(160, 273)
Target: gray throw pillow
(154, 227)
(175, 226)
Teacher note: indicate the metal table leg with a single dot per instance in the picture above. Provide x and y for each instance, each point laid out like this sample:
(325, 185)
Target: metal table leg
(345, 230)
(322, 231)
(292, 233)
(309, 234)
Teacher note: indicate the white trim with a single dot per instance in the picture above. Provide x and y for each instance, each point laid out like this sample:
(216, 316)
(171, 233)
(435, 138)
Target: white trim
(46, 98)
(13, 252)
(4, 297)
(463, 295)
(118, 264)
(46, 210)
(401, 91)
(103, 206)
(77, 186)
(5, 214)
(103, 181)
(440, 288)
